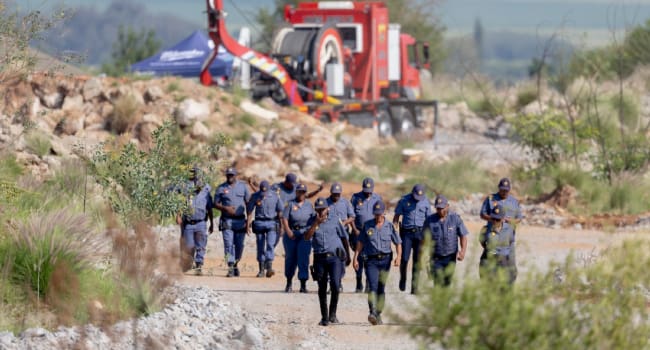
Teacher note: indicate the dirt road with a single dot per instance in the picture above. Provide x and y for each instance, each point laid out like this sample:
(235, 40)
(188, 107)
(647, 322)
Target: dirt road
(292, 318)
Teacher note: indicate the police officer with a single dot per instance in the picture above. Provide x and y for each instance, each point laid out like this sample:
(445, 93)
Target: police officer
(268, 210)
(194, 237)
(374, 244)
(231, 198)
(447, 230)
(510, 205)
(287, 192)
(498, 240)
(363, 203)
(342, 209)
(331, 249)
(413, 208)
(297, 217)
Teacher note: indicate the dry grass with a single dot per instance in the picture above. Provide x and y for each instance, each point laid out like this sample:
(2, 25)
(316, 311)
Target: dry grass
(125, 114)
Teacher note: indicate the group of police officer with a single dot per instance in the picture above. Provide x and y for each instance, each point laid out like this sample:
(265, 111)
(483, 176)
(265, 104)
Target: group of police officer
(332, 226)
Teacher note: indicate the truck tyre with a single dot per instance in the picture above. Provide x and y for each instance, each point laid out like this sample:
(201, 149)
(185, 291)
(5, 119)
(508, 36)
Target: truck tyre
(403, 121)
(384, 124)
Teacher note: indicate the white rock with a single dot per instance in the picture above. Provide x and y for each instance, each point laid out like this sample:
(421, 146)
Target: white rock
(75, 102)
(258, 111)
(256, 139)
(190, 111)
(200, 131)
(92, 88)
(53, 100)
(153, 93)
(152, 118)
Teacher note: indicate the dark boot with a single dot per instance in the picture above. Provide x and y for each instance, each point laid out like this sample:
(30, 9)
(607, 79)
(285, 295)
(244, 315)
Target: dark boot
(322, 301)
(334, 301)
(236, 269)
(372, 316)
(288, 288)
(402, 276)
(303, 286)
(261, 268)
(269, 269)
(231, 270)
(359, 288)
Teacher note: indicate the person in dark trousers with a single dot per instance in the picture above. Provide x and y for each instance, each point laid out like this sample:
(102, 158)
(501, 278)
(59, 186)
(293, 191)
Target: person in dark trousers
(375, 245)
(231, 198)
(362, 203)
(331, 249)
(342, 209)
(286, 190)
(297, 217)
(413, 209)
(498, 241)
(448, 233)
(268, 210)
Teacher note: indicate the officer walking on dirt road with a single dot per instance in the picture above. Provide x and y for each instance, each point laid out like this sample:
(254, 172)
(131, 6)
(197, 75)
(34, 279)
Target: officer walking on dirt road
(498, 241)
(447, 230)
(194, 237)
(374, 245)
(342, 209)
(331, 250)
(268, 209)
(231, 198)
(297, 217)
(413, 209)
(363, 203)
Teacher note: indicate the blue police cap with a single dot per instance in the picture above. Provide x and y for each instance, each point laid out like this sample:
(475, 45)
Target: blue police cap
(379, 208)
(336, 188)
(291, 177)
(418, 192)
(321, 203)
(368, 185)
(301, 187)
(504, 184)
(231, 171)
(264, 186)
(498, 212)
(440, 201)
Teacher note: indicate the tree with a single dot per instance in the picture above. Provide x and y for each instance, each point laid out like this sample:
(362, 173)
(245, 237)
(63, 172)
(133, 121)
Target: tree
(478, 39)
(130, 47)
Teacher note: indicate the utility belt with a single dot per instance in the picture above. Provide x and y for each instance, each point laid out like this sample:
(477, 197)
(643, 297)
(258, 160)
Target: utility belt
(192, 222)
(298, 227)
(322, 256)
(378, 256)
(265, 219)
(410, 230)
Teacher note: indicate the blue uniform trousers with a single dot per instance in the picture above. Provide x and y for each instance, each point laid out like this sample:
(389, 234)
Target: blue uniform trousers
(442, 269)
(328, 270)
(195, 239)
(234, 234)
(296, 252)
(410, 241)
(377, 272)
(266, 238)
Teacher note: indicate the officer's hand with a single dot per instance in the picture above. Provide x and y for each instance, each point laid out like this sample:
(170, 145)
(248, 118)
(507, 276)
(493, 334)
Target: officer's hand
(355, 265)
(320, 187)
(290, 235)
(396, 261)
(211, 228)
(229, 210)
(248, 229)
(179, 220)
(460, 255)
(355, 231)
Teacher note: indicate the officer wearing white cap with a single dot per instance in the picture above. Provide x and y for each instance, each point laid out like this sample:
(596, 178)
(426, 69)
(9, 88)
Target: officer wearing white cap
(375, 245)
(498, 240)
(231, 198)
(363, 203)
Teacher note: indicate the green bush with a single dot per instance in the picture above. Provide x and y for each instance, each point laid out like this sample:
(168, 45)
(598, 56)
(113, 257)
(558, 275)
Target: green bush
(248, 119)
(387, 159)
(525, 97)
(600, 306)
(488, 107)
(38, 143)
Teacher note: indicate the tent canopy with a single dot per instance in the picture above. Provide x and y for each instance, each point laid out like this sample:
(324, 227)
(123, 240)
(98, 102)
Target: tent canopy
(186, 58)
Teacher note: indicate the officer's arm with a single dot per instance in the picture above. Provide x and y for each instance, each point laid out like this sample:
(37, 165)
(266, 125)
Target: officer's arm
(315, 192)
(312, 229)
(398, 254)
(485, 209)
(463, 248)
(210, 213)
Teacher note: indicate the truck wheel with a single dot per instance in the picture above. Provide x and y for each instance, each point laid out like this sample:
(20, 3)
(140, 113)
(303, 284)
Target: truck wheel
(403, 122)
(384, 124)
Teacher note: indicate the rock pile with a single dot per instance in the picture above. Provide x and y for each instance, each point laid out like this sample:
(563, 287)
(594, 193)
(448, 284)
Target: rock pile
(199, 318)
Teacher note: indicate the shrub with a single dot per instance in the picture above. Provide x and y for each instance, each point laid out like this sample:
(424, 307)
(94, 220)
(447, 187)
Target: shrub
(38, 143)
(173, 87)
(600, 306)
(525, 97)
(69, 178)
(248, 119)
(488, 107)
(125, 114)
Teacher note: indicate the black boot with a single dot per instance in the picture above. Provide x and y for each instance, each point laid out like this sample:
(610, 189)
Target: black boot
(334, 301)
(236, 269)
(288, 288)
(372, 316)
(303, 286)
(322, 301)
(359, 288)
(261, 267)
(402, 276)
(269, 269)
(231, 270)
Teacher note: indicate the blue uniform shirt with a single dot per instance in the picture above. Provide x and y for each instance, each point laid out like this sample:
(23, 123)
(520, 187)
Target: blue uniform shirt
(376, 240)
(413, 212)
(510, 205)
(342, 209)
(300, 217)
(286, 195)
(266, 204)
(328, 235)
(200, 203)
(445, 233)
(499, 243)
(235, 195)
(363, 208)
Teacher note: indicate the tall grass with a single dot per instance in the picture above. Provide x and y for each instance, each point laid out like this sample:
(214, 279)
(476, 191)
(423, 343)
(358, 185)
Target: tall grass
(38, 143)
(125, 114)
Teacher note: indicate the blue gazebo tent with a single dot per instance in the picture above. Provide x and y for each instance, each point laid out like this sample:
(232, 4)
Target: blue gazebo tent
(186, 58)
